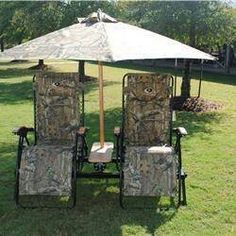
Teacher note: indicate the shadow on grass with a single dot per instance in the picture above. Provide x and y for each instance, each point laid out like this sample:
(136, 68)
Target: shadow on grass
(97, 213)
(5, 63)
(15, 72)
(12, 93)
(219, 78)
(130, 65)
(207, 76)
(103, 202)
(7, 178)
(13, 62)
(198, 122)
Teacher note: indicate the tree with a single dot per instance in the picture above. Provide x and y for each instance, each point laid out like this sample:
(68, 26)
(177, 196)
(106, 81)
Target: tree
(6, 12)
(201, 24)
(80, 9)
(45, 17)
(18, 27)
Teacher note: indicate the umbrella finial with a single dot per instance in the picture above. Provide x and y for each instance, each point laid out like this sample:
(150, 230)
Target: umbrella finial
(99, 16)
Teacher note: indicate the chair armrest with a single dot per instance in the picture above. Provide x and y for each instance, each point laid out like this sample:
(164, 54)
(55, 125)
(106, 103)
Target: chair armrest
(117, 131)
(22, 131)
(82, 130)
(180, 131)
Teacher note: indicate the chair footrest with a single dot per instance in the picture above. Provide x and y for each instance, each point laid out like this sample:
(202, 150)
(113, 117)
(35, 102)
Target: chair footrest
(100, 154)
(149, 171)
(46, 170)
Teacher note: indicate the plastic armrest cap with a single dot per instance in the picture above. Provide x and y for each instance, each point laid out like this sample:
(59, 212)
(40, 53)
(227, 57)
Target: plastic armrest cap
(22, 131)
(82, 130)
(117, 130)
(181, 130)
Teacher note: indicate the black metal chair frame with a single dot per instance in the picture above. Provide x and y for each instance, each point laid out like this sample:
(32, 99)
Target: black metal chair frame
(23, 141)
(82, 159)
(120, 149)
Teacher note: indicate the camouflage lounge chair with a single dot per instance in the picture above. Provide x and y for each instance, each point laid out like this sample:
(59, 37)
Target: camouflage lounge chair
(150, 165)
(48, 168)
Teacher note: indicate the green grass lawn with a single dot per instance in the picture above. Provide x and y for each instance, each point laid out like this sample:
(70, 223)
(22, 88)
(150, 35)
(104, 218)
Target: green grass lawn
(209, 158)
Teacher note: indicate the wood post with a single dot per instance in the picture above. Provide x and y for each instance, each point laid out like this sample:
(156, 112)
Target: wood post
(175, 78)
(200, 81)
(81, 70)
(1, 44)
(101, 104)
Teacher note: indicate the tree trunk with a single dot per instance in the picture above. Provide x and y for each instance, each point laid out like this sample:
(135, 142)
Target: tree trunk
(39, 66)
(1, 44)
(186, 82)
(227, 59)
(41, 63)
(81, 71)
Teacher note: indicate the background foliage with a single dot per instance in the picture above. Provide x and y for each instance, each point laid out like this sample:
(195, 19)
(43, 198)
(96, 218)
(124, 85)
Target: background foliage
(203, 24)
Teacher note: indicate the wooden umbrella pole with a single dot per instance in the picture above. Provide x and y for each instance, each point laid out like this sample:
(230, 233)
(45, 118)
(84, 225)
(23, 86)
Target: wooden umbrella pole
(101, 104)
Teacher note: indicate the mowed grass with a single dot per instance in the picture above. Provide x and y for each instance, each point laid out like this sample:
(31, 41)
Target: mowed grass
(209, 158)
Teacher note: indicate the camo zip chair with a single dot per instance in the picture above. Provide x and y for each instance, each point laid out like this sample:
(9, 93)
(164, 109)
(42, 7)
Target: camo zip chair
(150, 164)
(47, 169)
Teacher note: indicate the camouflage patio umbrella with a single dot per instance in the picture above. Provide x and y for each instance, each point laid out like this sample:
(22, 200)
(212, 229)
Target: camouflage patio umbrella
(101, 38)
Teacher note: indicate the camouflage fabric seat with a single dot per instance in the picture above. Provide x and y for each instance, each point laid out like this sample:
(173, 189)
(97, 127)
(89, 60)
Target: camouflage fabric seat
(147, 110)
(149, 171)
(46, 168)
(149, 163)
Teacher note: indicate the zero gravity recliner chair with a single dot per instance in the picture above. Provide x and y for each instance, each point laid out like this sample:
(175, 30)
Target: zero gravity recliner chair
(150, 164)
(48, 167)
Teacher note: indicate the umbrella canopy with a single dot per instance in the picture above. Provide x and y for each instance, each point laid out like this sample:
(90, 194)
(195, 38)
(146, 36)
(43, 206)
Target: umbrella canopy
(102, 38)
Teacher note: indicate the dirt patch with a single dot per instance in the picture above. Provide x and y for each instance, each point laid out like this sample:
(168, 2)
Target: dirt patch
(195, 104)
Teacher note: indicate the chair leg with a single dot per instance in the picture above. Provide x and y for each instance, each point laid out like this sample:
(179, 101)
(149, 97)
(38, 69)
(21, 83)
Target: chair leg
(184, 200)
(121, 196)
(179, 190)
(17, 172)
(16, 194)
(74, 186)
